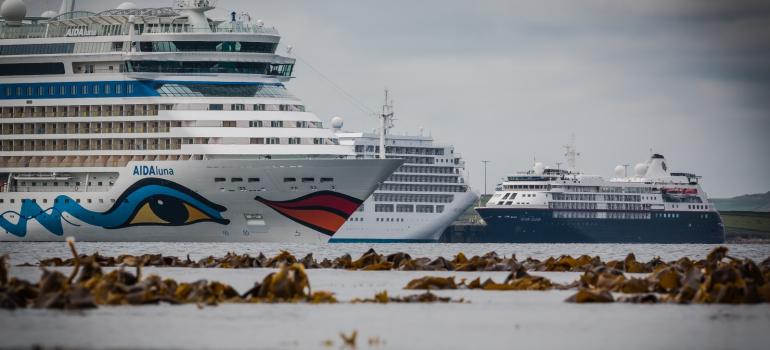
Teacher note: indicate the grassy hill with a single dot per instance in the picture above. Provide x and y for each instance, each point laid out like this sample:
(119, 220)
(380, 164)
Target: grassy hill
(748, 202)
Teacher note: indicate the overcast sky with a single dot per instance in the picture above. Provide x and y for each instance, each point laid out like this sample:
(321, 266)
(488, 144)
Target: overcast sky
(509, 81)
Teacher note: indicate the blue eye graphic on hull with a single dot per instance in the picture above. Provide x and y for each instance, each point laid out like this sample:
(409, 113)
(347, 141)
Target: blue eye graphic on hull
(150, 201)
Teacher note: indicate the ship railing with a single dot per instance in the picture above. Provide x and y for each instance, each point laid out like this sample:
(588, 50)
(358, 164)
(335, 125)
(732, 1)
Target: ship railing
(222, 28)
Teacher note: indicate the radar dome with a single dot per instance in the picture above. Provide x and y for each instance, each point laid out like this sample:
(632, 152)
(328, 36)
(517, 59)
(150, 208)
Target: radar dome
(337, 122)
(13, 11)
(640, 169)
(620, 171)
(539, 168)
(128, 5)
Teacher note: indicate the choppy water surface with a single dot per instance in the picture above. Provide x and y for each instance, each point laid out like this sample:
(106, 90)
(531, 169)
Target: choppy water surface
(33, 251)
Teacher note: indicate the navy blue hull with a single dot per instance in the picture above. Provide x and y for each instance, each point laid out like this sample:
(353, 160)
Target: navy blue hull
(539, 226)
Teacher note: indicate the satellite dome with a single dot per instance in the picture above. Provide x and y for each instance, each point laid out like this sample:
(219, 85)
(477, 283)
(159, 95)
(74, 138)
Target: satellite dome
(337, 122)
(13, 11)
(640, 169)
(128, 5)
(539, 168)
(620, 171)
(49, 14)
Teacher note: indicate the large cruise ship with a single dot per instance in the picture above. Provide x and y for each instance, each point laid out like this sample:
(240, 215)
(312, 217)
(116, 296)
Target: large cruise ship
(161, 124)
(554, 205)
(419, 201)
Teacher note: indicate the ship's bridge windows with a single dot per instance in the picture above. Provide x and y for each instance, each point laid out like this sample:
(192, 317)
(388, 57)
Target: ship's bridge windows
(236, 179)
(289, 179)
(211, 67)
(207, 46)
(327, 179)
(253, 179)
(219, 179)
(308, 179)
(200, 89)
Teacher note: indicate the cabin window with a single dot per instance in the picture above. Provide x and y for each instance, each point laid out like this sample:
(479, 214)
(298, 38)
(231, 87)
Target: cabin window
(289, 179)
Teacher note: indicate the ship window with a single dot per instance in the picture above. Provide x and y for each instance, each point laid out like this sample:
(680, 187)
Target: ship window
(253, 179)
(31, 68)
(219, 179)
(236, 179)
(237, 107)
(308, 179)
(404, 208)
(327, 179)
(289, 179)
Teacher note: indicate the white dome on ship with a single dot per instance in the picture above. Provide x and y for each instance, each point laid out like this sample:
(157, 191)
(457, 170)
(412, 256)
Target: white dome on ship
(640, 169)
(49, 14)
(539, 168)
(337, 122)
(620, 171)
(127, 6)
(13, 10)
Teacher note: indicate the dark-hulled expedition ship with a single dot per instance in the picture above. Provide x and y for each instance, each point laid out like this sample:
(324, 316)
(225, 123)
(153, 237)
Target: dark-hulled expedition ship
(556, 205)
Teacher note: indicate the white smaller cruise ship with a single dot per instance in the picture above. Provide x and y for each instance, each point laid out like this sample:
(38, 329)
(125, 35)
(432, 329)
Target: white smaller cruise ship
(418, 201)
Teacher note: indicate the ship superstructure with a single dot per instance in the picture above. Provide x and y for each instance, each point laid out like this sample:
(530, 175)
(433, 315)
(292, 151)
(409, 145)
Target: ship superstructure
(653, 205)
(419, 200)
(163, 117)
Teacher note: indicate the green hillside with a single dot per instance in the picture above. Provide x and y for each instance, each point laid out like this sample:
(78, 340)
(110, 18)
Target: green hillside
(748, 202)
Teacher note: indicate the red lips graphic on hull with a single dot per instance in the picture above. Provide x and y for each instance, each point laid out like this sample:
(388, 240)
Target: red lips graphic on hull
(324, 211)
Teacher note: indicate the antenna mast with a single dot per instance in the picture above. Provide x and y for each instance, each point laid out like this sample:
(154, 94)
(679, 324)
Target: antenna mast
(386, 122)
(571, 153)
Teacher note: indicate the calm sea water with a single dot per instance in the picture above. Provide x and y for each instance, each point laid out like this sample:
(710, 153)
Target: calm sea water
(31, 252)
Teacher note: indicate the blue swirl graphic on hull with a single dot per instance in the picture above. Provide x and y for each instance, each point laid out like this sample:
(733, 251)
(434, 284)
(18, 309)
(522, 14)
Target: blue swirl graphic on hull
(150, 201)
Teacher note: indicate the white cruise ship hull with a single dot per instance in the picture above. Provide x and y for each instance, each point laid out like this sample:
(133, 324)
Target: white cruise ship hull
(302, 200)
(372, 227)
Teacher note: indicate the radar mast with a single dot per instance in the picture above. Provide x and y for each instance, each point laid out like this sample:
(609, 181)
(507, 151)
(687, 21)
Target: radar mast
(571, 154)
(386, 122)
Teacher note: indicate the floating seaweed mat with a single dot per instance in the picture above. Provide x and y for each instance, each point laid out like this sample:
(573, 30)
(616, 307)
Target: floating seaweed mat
(517, 280)
(719, 278)
(373, 261)
(87, 286)
(427, 297)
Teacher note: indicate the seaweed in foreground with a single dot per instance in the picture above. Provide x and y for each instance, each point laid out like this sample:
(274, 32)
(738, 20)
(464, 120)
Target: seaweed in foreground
(516, 280)
(88, 286)
(427, 297)
(718, 279)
